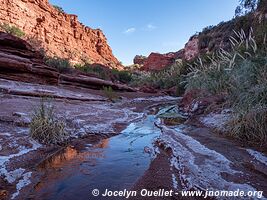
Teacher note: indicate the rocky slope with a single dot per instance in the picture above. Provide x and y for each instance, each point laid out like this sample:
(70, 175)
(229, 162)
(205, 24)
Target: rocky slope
(58, 33)
(157, 61)
(208, 40)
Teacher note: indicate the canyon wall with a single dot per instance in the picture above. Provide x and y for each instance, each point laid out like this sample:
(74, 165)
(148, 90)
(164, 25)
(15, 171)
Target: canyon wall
(57, 33)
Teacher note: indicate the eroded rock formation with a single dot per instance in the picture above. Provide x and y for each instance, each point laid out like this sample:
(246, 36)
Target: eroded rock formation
(18, 61)
(58, 33)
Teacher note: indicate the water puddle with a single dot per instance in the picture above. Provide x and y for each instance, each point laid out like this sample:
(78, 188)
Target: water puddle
(115, 163)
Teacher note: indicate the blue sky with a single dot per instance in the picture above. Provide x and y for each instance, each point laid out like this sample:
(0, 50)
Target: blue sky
(139, 27)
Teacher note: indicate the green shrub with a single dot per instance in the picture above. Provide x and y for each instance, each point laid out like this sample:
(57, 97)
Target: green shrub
(13, 30)
(109, 93)
(106, 73)
(59, 9)
(248, 95)
(44, 126)
(63, 65)
(203, 41)
(122, 76)
(214, 73)
(99, 70)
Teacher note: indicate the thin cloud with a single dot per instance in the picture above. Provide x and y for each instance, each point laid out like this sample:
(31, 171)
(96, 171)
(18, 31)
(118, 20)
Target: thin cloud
(129, 30)
(150, 27)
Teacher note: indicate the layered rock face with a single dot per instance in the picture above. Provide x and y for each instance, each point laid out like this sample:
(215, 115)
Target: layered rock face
(59, 34)
(19, 62)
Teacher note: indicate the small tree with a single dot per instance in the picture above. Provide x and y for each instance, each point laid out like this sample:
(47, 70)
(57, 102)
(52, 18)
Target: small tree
(246, 6)
(59, 9)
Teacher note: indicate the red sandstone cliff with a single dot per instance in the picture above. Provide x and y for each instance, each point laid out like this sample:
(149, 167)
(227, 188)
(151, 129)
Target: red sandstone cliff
(59, 34)
(157, 61)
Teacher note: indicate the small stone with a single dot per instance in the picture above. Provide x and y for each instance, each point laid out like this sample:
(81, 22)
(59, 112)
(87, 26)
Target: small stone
(3, 193)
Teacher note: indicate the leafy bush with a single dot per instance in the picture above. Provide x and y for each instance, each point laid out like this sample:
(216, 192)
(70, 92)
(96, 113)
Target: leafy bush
(110, 94)
(203, 41)
(63, 65)
(44, 126)
(215, 72)
(13, 30)
(59, 9)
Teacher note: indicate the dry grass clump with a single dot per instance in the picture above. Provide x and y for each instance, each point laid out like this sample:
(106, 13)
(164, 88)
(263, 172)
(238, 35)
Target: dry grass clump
(250, 127)
(110, 94)
(45, 127)
(241, 74)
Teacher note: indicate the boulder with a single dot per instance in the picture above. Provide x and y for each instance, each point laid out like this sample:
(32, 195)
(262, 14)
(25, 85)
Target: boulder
(197, 101)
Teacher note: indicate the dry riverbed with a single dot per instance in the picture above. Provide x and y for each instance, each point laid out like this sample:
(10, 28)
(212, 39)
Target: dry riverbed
(131, 144)
(88, 114)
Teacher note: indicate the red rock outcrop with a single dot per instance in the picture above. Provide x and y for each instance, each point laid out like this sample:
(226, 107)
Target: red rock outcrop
(59, 34)
(157, 61)
(139, 60)
(18, 61)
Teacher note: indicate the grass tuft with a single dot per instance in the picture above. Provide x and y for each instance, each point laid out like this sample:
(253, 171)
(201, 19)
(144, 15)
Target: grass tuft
(45, 127)
(110, 94)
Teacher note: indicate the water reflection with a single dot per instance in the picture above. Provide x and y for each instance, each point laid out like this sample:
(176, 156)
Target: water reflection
(69, 154)
(114, 163)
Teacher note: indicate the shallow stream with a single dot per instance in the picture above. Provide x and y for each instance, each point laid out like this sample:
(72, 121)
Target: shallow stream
(115, 163)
